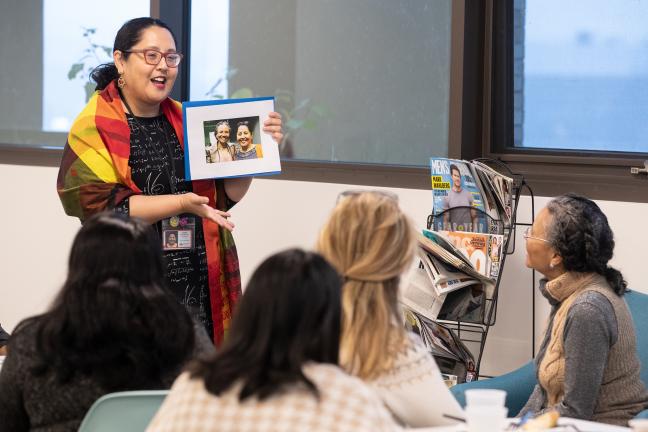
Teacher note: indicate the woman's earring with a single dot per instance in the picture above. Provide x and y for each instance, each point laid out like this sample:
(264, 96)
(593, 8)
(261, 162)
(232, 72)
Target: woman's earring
(551, 265)
(121, 82)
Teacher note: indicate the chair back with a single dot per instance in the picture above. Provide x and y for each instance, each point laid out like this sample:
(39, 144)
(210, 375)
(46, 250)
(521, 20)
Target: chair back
(129, 411)
(638, 305)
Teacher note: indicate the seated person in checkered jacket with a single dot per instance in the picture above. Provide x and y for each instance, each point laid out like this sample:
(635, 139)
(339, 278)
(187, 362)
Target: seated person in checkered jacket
(278, 368)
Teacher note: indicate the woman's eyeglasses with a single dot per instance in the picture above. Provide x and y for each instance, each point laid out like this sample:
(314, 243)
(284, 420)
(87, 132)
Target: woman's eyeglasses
(153, 57)
(351, 193)
(527, 235)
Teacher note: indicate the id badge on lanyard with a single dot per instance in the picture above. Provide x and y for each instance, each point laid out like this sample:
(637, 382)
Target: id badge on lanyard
(178, 232)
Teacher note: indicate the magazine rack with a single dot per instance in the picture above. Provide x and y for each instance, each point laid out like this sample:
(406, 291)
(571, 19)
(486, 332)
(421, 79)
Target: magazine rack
(473, 332)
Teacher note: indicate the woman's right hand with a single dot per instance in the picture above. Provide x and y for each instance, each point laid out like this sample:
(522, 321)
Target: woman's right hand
(199, 205)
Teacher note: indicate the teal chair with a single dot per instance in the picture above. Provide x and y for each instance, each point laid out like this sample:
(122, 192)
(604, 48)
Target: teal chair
(129, 411)
(520, 383)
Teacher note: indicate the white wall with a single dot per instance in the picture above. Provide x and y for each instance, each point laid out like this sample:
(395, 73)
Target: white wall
(274, 215)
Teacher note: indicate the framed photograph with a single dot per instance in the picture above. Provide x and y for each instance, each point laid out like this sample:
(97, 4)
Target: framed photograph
(225, 138)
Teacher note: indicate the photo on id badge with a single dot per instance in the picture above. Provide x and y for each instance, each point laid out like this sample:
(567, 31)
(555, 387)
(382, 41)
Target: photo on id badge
(178, 233)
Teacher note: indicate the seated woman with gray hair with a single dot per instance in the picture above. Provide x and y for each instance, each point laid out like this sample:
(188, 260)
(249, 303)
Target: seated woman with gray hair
(587, 367)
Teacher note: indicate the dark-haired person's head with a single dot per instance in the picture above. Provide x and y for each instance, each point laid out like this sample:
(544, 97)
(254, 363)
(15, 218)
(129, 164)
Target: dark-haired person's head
(289, 315)
(244, 134)
(456, 176)
(114, 318)
(145, 61)
(572, 234)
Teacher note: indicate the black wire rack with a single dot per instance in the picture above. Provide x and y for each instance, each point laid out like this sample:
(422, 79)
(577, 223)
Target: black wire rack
(474, 334)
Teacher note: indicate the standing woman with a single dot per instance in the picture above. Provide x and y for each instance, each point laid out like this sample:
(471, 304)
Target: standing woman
(125, 153)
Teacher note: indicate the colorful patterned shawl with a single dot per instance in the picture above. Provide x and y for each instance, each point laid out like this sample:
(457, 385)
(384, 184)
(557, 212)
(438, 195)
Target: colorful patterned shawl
(94, 176)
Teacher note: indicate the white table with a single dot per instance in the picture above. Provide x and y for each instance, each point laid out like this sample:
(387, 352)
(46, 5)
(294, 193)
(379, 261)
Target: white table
(582, 425)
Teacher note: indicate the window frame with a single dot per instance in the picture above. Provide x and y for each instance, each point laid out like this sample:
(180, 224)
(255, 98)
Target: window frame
(481, 67)
(597, 174)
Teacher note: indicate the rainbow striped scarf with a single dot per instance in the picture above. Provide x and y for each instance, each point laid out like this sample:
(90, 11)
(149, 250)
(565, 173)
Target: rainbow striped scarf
(94, 176)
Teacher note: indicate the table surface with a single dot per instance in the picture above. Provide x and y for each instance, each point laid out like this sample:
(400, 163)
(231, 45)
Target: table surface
(582, 425)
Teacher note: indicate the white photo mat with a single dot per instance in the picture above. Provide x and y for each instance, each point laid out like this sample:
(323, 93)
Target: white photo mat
(199, 115)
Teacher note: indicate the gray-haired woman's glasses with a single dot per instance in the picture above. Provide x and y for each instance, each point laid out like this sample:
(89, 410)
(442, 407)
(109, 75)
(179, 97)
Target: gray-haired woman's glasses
(527, 235)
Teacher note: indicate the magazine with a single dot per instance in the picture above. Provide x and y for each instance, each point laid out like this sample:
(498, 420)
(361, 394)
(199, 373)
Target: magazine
(455, 196)
(436, 245)
(440, 340)
(466, 305)
(481, 250)
(501, 187)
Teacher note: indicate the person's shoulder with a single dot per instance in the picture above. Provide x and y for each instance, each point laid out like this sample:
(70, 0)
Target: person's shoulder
(412, 362)
(590, 301)
(331, 379)
(23, 338)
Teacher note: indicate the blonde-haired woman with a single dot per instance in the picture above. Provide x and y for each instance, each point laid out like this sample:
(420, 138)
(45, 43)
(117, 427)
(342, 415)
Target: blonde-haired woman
(371, 242)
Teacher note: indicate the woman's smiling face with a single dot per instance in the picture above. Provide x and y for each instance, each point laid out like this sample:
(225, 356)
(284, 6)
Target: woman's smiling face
(243, 136)
(147, 85)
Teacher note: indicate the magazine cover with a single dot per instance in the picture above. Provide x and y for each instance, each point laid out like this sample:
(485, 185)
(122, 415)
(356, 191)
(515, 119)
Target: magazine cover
(455, 193)
(482, 250)
(225, 138)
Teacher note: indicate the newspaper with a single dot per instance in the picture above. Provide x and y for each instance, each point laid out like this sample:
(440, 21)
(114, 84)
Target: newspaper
(443, 277)
(420, 296)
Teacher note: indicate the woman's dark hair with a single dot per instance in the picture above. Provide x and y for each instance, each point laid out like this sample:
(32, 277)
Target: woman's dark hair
(114, 320)
(243, 123)
(128, 36)
(582, 236)
(290, 314)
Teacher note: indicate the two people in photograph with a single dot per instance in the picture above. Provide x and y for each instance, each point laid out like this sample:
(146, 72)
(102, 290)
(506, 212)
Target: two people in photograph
(224, 151)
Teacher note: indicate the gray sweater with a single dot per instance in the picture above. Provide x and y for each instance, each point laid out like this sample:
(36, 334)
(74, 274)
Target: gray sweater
(590, 333)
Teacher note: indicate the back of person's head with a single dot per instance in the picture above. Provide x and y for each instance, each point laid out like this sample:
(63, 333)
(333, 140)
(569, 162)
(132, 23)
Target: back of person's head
(370, 241)
(289, 315)
(128, 36)
(114, 318)
(581, 234)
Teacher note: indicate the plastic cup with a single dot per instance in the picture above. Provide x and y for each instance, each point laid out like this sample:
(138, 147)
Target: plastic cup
(485, 418)
(485, 397)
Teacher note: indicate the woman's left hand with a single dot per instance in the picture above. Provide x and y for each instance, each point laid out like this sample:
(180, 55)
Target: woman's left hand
(273, 125)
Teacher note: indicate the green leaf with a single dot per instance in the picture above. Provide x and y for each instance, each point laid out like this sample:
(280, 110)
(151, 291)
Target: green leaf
(244, 92)
(89, 90)
(294, 124)
(74, 70)
(107, 50)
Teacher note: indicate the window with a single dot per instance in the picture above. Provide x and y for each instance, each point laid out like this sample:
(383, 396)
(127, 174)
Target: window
(357, 81)
(567, 98)
(584, 84)
(52, 46)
